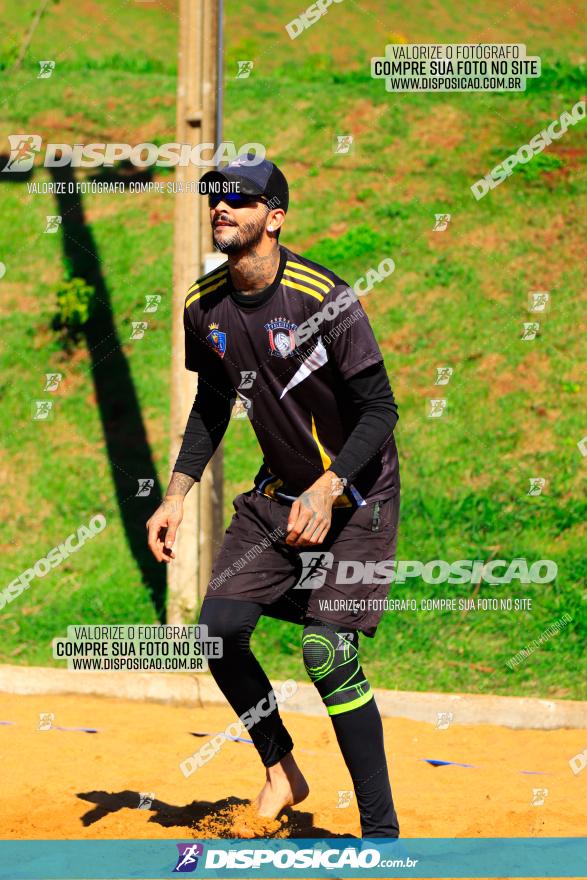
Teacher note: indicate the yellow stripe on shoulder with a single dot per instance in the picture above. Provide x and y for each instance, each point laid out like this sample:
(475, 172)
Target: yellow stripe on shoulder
(303, 288)
(209, 278)
(206, 285)
(301, 266)
(307, 278)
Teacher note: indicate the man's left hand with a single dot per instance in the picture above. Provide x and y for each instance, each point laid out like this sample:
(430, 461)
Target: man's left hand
(311, 514)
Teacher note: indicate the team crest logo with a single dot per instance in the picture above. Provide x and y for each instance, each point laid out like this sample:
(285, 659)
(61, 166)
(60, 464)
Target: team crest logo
(217, 339)
(281, 336)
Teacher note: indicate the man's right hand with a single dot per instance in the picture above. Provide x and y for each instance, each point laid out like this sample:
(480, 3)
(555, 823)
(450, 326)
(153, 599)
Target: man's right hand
(162, 527)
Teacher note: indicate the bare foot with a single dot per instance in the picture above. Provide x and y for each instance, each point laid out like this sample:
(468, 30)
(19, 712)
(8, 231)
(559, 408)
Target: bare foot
(285, 787)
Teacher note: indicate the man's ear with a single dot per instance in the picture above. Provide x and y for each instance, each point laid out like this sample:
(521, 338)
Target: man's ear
(276, 219)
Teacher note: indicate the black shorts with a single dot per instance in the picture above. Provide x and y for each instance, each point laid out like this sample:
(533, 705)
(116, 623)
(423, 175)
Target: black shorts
(336, 581)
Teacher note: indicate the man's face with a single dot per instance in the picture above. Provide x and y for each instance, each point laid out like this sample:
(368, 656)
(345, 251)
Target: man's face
(238, 228)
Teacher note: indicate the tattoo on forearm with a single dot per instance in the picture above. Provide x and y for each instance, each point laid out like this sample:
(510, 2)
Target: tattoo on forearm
(180, 484)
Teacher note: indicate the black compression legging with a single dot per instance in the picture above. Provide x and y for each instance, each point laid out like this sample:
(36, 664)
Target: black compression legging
(331, 659)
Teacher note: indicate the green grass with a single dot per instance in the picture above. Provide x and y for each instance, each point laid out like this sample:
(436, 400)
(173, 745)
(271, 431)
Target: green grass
(456, 298)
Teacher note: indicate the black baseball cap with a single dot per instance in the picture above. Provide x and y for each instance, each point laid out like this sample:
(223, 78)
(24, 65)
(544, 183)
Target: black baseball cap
(263, 178)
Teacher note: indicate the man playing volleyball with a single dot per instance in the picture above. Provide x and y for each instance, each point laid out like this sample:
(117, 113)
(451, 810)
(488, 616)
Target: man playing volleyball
(289, 339)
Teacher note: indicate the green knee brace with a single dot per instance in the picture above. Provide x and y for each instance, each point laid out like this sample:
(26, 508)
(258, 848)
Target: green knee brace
(332, 661)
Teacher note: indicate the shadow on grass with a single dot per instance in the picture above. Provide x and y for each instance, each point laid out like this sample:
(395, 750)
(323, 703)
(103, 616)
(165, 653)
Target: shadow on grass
(126, 440)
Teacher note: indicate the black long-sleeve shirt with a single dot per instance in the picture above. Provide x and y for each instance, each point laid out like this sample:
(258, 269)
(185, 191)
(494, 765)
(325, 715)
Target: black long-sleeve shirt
(369, 395)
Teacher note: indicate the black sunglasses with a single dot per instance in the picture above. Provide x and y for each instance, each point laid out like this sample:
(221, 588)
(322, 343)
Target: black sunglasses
(235, 200)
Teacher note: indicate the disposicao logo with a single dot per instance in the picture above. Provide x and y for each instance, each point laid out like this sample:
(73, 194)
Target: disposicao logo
(187, 860)
(24, 148)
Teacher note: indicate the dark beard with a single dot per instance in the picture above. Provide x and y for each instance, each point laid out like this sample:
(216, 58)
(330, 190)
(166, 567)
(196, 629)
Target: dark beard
(246, 237)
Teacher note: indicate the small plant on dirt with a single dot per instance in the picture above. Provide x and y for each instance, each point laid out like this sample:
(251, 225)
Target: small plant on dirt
(74, 303)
